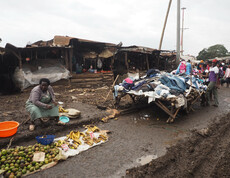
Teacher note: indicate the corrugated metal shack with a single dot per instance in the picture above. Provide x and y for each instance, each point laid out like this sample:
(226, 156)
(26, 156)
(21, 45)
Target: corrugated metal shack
(78, 56)
(139, 59)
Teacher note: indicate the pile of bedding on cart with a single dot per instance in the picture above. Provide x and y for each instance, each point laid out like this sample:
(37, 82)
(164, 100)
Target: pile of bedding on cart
(161, 85)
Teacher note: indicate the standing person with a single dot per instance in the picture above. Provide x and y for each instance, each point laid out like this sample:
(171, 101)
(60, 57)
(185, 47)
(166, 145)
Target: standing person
(41, 103)
(213, 83)
(226, 78)
(188, 68)
(204, 74)
(200, 65)
(182, 67)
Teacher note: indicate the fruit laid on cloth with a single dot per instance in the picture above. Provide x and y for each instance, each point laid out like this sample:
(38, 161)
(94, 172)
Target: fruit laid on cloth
(61, 109)
(18, 161)
(93, 135)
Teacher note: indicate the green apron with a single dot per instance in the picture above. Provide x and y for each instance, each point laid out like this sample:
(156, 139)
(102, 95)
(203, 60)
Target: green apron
(38, 112)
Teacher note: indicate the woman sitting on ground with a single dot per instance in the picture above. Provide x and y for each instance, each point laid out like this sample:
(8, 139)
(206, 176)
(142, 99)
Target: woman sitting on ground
(41, 103)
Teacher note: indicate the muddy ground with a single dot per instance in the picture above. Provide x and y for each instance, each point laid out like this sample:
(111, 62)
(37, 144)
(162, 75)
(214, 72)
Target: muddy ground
(205, 154)
(133, 137)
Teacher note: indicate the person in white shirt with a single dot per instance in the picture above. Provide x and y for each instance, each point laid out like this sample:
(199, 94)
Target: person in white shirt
(226, 78)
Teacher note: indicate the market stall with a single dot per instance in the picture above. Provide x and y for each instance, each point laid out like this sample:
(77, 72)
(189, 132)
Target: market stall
(169, 92)
(25, 160)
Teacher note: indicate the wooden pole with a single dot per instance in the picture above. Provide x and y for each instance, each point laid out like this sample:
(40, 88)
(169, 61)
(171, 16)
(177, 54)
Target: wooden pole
(111, 88)
(166, 18)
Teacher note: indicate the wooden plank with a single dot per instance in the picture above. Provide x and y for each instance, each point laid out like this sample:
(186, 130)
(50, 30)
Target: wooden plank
(147, 61)
(70, 59)
(126, 61)
(66, 59)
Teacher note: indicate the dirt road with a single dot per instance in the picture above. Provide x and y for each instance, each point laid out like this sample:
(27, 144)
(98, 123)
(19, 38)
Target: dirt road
(135, 140)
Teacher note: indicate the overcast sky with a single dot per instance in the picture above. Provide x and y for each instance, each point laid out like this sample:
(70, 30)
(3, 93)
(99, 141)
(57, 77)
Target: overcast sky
(133, 22)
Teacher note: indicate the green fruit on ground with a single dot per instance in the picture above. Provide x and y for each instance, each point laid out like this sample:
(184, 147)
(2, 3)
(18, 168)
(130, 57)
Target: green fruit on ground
(7, 168)
(46, 161)
(31, 156)
(15, 170)
(16, 165)
(19, 174)
(24, 171)
(28, 159)
(4, 152)
(11, 175)
(22, 165)
(11, 164)
(18, 161)
(28, 167)
(33, 163)
(37, 167)
(31, 169)
(40, 165)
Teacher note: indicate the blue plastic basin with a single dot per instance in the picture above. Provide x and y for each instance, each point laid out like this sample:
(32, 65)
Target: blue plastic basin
(64, 119)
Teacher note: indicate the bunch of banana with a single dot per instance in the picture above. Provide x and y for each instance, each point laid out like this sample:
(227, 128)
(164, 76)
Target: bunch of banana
(75, 136)
(89, 142)
(61, 109)
(96, 140)
(85, 139)
(102, 137)
(73, 146)
(91, 128)
(61, 142)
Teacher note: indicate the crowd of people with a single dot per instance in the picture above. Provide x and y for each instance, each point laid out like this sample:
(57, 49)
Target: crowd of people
(211, 73)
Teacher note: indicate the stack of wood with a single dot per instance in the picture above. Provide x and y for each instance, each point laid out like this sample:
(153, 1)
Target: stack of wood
(88, 80)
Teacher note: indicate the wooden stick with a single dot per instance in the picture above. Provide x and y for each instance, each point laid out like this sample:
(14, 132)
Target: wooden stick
(10, 143)
(25, 121)
(164, 108)
(111, 88)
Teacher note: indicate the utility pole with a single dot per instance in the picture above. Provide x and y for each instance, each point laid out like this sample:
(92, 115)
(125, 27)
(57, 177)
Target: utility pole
(178, 33)
(166, 18)
(182, 31)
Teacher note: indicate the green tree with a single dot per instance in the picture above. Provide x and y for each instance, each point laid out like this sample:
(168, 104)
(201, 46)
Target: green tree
(212, 52)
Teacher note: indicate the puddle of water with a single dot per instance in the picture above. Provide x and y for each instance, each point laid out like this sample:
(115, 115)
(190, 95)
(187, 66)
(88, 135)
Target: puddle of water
(146, 159)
